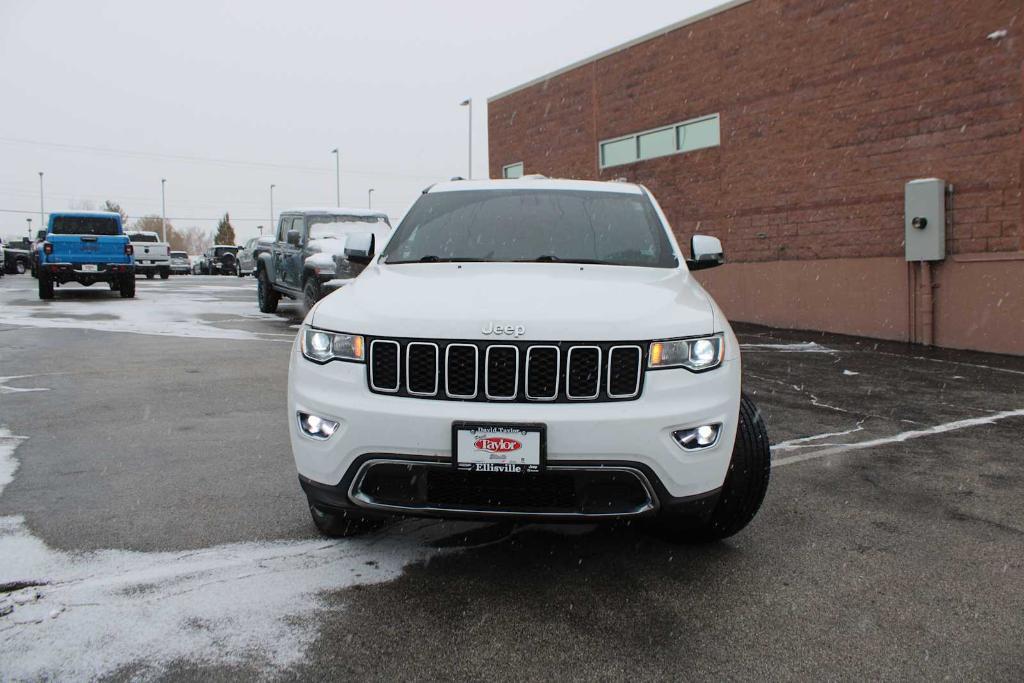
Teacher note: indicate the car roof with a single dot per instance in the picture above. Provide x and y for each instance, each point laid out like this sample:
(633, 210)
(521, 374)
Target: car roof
(536, 183)
(99, 214)
(338, 211)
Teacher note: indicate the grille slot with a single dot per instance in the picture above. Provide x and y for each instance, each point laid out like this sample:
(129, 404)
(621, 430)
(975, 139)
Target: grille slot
(583, 379)
(501, 376)
(421, 368)
(461, 361)
(542, 373)
(384, 356)
(624, 371)
(509, 371)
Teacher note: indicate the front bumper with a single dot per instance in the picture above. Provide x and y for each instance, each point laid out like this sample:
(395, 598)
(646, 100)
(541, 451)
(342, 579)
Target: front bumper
(635, 435)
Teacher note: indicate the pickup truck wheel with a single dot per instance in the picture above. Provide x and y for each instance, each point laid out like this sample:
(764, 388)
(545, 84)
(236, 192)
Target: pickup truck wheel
(127, 287)
(19, 266)
(165, 273)
(45, 286)
(265, 293)
(746, 483)
(150, 275)
(311, 293)
(341, 524)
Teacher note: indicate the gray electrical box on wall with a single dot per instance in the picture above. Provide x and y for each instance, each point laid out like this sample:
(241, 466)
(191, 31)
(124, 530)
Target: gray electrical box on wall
(924, 208)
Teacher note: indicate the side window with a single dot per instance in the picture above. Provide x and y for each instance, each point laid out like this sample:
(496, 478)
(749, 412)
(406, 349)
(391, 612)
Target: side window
(283, 227)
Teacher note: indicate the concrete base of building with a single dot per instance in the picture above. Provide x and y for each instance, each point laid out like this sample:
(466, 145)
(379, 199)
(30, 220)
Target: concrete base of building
(977, 300)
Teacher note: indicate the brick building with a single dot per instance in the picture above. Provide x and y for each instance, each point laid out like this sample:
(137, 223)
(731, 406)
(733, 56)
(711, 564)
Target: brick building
(789, 128)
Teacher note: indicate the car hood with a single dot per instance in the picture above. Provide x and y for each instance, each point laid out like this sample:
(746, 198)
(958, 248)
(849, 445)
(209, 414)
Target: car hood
(548, 301)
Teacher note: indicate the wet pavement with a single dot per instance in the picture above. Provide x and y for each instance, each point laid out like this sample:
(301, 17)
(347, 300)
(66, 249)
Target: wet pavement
(155, 464)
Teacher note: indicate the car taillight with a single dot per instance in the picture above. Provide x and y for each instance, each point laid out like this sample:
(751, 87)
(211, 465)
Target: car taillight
(47, 248)
(129, 249)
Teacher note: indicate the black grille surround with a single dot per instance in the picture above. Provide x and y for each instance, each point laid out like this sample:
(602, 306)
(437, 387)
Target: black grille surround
(507, 371)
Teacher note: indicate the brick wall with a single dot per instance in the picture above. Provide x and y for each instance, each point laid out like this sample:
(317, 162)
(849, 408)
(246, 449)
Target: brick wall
(827, 108)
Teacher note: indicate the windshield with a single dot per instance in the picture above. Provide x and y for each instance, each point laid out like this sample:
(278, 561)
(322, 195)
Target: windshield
(333, 227)
(533, 225)
(179, 254)
(84, 225)
(142, 237)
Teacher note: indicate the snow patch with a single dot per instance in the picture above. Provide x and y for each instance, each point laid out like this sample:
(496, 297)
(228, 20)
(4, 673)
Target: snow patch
(85, 615)
(801, 347)
(850, 373)
(172, 313)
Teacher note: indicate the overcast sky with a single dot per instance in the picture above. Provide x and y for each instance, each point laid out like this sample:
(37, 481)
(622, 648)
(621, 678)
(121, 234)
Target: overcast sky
(225, 98)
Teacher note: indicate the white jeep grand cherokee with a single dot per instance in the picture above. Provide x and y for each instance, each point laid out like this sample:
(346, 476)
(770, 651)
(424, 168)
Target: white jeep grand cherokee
(527, 349)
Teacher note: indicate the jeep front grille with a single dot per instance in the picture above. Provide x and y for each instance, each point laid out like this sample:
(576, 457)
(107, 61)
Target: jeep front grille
(509, 371)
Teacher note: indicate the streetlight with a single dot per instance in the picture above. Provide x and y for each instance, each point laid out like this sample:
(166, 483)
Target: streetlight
(29, 229)
(337, 172)
(260, 228)
(163, 211)
(369, 199)
(42, 221)
(469, 103)
(272, 205)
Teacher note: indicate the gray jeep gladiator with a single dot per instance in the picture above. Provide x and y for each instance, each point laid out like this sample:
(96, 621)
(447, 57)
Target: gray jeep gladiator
(316, 251)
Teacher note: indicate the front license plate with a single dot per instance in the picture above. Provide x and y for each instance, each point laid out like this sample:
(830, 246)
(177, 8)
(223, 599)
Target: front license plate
(511, 448)
(89, 267)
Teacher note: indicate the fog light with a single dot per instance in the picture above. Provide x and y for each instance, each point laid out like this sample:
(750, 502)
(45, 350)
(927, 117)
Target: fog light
(317, 427)
(696, 438)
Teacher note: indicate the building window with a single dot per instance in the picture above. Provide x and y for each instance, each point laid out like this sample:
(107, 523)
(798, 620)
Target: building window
(685, 136)
(512, 170)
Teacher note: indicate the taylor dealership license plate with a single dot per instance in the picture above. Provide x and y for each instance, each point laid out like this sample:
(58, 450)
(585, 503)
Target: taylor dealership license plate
(89, 268)
(512, 448)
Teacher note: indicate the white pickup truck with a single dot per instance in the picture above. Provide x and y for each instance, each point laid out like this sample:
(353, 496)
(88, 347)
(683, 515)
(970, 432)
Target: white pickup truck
(152, 256)
(527, 349)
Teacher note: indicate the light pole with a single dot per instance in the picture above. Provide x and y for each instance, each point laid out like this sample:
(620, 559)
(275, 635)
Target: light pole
(163, 211)
(337, 173)
(260, 228)
(272, 206)
(29, 229)
(369, 199)
(42, 221)
(469, 103)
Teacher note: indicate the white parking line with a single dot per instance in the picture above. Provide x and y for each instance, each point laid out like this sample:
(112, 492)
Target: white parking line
(896, 438)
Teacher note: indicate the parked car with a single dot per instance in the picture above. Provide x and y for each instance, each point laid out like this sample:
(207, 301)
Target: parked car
(220, 259)
(152, 256)
(16, 257)
(527, 349)
(179, 263)
(315, 252)
(86, 247)
(198, 264)
(250, 251)
(35, 251)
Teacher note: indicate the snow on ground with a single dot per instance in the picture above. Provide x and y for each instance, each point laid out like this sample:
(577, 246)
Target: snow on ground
(66, 615)
(159, 308)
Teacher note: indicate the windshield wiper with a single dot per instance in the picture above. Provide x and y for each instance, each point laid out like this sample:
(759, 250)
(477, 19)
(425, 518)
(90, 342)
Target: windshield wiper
(551, 258)
(430, 258)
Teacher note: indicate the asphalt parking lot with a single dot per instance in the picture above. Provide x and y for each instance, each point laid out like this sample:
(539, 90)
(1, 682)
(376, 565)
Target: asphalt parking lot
(151, 524)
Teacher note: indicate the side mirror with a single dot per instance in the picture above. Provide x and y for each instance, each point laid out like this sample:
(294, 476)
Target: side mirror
(359, 247)
(293, 237)
(706, 252)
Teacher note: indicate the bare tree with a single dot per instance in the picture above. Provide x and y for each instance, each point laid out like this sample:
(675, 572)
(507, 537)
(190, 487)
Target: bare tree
(110, 205)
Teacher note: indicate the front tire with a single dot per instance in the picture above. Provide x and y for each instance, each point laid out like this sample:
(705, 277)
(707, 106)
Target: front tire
(311, 293)
(19, 266)
(266, 295)
(746, 483)
(45, 286)
(341, 524)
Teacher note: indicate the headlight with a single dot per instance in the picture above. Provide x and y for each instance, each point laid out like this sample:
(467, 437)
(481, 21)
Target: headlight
(320, 346)
(693, 354)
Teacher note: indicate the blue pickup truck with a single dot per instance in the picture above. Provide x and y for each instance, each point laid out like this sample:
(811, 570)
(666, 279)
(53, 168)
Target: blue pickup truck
(86, 247)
